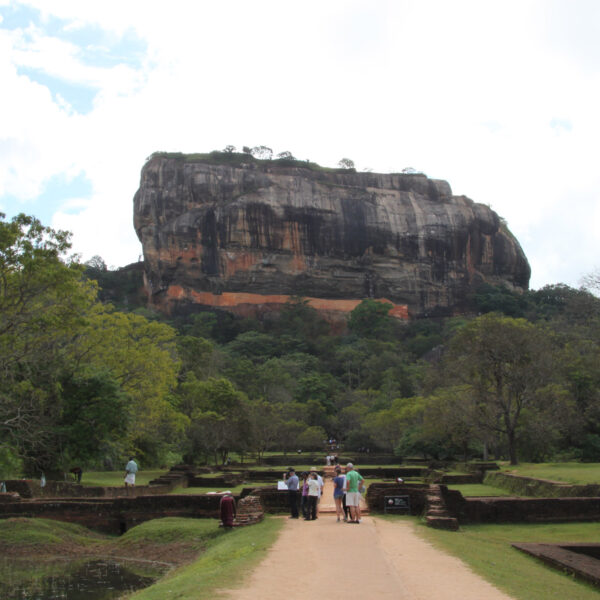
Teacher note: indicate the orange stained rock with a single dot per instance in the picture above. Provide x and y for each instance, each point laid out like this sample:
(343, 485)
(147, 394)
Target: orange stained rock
(233, 300)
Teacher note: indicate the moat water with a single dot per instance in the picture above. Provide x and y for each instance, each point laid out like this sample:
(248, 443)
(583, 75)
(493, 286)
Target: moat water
(68, 579)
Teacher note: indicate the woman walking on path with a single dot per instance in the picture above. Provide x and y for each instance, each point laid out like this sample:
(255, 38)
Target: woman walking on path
(339, 482)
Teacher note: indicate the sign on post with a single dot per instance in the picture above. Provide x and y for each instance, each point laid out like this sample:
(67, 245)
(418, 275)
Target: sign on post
(398, 504)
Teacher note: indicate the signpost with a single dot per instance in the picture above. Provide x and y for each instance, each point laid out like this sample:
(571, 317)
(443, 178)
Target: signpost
(397, 504)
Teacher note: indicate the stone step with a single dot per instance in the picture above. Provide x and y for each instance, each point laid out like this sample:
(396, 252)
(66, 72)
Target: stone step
(449, 523)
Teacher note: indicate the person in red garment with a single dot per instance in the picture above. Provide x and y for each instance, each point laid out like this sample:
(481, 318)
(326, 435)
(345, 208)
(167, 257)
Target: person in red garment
(228, 511)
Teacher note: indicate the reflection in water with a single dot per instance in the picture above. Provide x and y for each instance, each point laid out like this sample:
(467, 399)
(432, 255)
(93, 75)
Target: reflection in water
(67, 580)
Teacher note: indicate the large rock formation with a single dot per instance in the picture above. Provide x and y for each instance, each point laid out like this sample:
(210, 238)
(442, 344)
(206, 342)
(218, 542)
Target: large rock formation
(234, 232)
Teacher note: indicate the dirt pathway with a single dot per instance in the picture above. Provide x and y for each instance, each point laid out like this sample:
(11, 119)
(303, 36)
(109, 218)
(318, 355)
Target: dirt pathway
(375, 559)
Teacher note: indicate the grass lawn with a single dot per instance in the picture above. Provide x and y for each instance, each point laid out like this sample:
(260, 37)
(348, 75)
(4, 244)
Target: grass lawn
(569, 472)
(225, 561)
(115, 478)
(479, 489)
(222, 557)
(44, 532)
(487, 549)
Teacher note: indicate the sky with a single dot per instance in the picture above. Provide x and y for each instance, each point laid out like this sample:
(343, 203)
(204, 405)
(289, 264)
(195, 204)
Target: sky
(501, 99)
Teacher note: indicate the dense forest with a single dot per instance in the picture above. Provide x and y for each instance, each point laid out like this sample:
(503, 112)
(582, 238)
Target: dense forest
(89, 375)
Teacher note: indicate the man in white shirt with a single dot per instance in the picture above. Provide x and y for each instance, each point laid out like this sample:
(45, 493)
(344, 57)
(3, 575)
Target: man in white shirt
(131, 469)
(321, 484)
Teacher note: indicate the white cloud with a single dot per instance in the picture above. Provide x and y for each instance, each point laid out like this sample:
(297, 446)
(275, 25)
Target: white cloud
(492, 97)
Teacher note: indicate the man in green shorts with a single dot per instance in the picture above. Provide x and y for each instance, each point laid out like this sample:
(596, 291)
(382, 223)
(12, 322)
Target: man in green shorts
(353, 480)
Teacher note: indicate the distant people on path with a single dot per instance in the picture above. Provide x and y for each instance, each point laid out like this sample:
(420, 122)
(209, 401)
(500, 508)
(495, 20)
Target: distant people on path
(131, 468)
(304, 499)
(339, 483)
(313, 496)
(291, 480)
(353, 481)
(227, 510)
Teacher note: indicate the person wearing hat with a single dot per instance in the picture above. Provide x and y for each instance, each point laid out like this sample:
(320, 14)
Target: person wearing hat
(291, 480)
(353, 479)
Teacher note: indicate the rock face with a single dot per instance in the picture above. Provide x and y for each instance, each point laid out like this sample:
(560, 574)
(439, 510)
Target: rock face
(248, 233)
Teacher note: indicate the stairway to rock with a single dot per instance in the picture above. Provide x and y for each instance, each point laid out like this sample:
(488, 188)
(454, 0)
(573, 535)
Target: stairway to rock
(175, 475)
(437, 515)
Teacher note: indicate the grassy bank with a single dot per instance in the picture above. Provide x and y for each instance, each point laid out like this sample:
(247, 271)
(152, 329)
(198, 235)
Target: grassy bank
(115, 478)
(567, 472)
(207, 553)
(479, 489)
(224, 563)
(487, 550)
(36, 535)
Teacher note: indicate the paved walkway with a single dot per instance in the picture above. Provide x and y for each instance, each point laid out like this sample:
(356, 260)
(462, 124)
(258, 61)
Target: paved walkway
(375, 559)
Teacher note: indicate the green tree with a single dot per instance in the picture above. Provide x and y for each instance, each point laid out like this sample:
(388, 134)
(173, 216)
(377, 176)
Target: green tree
(312, 438)
(370, 319)
(450, 418)
(43, 307)
(506, 361)
(219, 415)
(95, 415)
(141, 355)
(262, 152)
(346, 163)
(285, 155)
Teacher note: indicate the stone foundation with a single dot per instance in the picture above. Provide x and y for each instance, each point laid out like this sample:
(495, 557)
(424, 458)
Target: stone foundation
(114, 515)
(530, 486)
(580, 560)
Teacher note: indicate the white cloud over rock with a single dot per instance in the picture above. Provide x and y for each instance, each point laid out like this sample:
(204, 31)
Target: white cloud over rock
(500, 99)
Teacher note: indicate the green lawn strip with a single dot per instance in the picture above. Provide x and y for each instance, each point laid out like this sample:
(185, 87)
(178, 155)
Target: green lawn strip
(568, 472)
(478, 489)
(487, 550)
(44, 532)
(115, 478)
(169, 530)
(223, 564)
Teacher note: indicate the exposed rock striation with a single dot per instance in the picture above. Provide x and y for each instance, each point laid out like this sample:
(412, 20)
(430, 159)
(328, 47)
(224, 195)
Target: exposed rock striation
(248, 233)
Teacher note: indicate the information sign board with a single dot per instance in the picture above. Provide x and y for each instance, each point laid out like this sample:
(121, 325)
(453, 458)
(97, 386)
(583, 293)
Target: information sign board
(397, 504)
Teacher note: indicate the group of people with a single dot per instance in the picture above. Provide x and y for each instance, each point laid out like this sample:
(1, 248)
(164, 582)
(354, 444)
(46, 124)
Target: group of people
(331, 459)
(346, 493)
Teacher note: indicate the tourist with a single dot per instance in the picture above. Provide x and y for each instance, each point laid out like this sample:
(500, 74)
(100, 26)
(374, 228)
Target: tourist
(304, 498)
(291, 480)
(339, 483)
(77, 473)
(353, 480)
(131, 469)
(227, 510)
(313, 496)
(321, 484)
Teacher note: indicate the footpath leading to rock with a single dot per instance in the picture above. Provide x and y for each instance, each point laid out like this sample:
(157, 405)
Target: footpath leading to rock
(375, 559)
